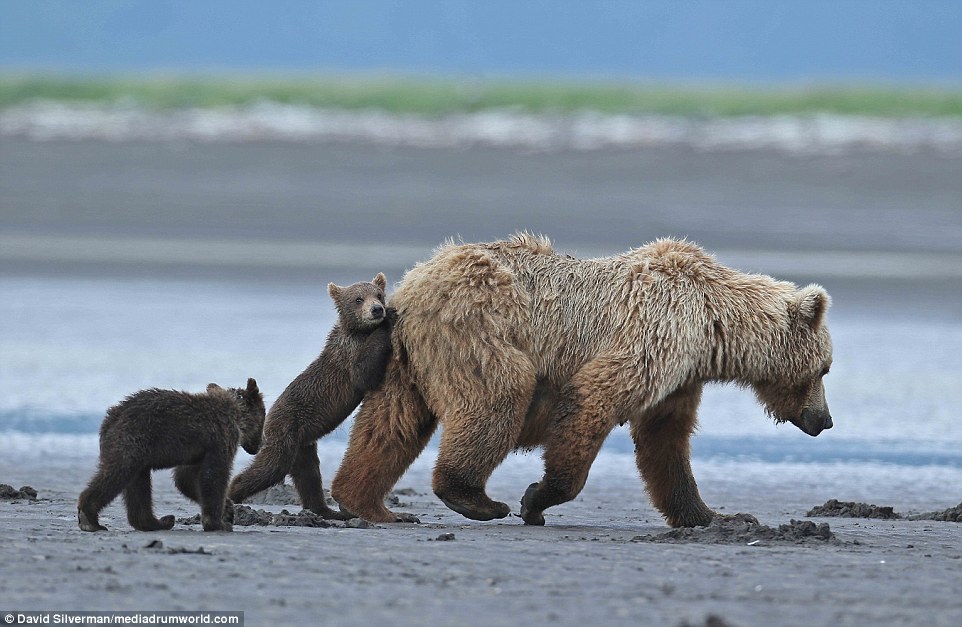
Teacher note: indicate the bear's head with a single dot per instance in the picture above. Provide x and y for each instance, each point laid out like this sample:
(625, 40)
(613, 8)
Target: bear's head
(802, 355)
(360, 307)
(252, 416)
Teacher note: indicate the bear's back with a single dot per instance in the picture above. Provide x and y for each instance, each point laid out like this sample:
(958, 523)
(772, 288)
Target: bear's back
(152, 417)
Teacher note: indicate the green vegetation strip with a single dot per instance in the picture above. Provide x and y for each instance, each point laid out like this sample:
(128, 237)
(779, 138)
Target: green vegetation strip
(438, 97)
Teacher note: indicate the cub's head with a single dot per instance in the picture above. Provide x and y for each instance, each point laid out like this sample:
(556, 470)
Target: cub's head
(252, 417)
(794, 392)
(360, 307)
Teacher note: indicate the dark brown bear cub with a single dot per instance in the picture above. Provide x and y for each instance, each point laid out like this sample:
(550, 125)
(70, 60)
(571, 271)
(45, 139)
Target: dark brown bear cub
(320, 398)
(196, 434)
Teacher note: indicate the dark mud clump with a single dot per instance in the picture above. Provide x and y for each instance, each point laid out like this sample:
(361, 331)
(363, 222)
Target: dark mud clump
(712, 620)
(157, 545)
(850, 509)
(953, 514)
(277, 495)
(26, 493)
(744, 531)
(284, 494)
(245, 516)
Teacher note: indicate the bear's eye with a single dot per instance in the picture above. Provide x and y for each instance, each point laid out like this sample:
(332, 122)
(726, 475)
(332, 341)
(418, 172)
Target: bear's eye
(358, 300)
(825, 371)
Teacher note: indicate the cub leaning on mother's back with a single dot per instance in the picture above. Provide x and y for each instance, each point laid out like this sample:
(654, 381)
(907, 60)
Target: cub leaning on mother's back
(511, 345)
(323, 396)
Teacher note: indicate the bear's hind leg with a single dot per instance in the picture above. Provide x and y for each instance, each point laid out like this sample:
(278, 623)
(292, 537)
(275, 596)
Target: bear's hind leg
(662, 452)
(587, 410)
(392, 427)
(187, 480)
(306, 472)
(467, 457)
(140, 508)
(474, 443)
(270, 466)
(104, 487)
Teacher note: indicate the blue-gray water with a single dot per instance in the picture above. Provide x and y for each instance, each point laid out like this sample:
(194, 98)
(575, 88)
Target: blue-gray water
(746, 40)
(72, 346)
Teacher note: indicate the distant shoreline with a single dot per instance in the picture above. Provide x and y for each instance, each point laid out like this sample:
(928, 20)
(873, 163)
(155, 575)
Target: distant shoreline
(444, 96)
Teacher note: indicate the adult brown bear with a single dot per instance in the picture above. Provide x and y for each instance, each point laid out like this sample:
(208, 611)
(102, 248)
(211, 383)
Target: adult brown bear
(510, 345)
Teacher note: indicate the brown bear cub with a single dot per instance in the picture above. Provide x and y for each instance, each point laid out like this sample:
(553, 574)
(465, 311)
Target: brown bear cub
(320, 398)
(196, 434)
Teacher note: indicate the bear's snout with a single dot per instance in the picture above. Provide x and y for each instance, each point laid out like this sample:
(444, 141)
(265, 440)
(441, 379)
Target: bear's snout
(377, 311)
(814, 422)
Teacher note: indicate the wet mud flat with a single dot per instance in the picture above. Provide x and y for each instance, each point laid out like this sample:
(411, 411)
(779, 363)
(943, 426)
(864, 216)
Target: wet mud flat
(605, 558)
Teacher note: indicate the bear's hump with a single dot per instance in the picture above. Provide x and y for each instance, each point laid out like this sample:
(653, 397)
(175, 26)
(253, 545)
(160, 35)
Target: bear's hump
(673, 257)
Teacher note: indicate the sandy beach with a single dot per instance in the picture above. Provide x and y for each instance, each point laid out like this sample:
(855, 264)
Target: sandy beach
(133, 264)
(594, 562)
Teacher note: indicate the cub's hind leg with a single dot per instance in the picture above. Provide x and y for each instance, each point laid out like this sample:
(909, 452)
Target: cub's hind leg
(106, 485)
(269, 467)
(306, 473)
(140, 508)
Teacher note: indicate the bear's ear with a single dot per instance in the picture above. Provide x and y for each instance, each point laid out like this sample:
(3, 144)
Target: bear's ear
(213, 386)
(333, 290)
(252, 390)
(380, 281)
(812, 302)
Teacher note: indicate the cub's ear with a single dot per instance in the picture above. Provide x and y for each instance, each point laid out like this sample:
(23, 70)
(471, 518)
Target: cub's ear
(380, 281)
(812, 301)
(252, 390)
(213, 386)
(333, 290)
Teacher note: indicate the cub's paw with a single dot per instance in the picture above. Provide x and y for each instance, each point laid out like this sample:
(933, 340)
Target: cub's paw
(88, 523)
(165, 522)
(216, 525)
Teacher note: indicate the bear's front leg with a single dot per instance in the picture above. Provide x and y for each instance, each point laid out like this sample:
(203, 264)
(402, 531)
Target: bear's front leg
(212, 483)
(662, 452)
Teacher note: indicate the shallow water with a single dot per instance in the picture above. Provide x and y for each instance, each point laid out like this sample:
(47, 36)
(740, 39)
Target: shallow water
(73, 347)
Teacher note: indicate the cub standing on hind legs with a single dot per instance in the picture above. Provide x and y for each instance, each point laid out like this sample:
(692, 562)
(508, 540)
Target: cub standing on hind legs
(320, 398)
(197, 434)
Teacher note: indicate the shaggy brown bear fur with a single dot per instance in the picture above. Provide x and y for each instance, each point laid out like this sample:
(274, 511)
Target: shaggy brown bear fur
(510, 345)
(196, 434)
(320, 398)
